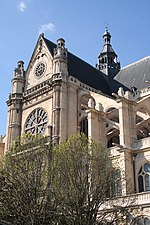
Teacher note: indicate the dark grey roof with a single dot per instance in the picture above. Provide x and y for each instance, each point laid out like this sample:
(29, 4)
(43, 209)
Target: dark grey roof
(88, 74)
(107, 48)
(135, 74)
(84, 71)
(115, 85)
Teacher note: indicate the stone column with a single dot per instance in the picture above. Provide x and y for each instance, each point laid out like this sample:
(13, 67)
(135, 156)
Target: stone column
(72, 109)
(13, 130)
(56, 111)
(63, 112)
(127, 122)
(127, 173)
(96, 124)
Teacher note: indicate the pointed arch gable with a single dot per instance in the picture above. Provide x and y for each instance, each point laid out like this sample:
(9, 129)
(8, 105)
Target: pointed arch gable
(41, 55)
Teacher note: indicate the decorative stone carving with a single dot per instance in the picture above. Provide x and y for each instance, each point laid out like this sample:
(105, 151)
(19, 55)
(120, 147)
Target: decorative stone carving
(121, 92)
(91, 103)
(40, 69)
(100, 107)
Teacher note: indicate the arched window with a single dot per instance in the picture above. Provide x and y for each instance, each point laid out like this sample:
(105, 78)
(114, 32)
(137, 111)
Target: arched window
(112, 137)
(113, 140)
(115, 187)
(113, 114)
(144, 178)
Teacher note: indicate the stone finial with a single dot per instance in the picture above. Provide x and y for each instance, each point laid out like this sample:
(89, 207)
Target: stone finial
(60, 51)
(91, 103)
(1, 138)
(99, 107)
(128, 95)
(121, 92)
(61, 43)
(20, 64)
(19, 71)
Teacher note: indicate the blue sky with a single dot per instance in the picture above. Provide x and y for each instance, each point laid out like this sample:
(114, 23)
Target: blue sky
(80, 22)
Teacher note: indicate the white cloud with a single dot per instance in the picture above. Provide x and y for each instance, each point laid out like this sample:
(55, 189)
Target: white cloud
(46, 27)
(22, 6)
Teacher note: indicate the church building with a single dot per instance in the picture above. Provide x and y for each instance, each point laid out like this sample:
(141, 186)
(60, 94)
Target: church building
(59, 94)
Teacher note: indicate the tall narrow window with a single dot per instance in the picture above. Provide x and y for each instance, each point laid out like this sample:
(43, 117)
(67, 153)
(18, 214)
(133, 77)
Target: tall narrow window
(144, 178)
(84, 126)
(116, 186)
(141, 185)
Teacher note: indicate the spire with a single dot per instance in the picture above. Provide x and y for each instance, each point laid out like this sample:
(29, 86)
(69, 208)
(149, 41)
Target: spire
(106, 37)
(107, 59)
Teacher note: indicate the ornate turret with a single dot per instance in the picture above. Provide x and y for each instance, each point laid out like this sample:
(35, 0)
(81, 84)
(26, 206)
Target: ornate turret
(60, 58)
(107, 59)
(15, 106)
(19, 78)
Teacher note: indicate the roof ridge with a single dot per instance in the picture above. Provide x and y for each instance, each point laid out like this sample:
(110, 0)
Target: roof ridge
(140, 60)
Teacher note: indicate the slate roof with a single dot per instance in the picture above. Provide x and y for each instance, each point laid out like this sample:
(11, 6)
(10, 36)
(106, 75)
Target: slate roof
(115, 85)
(107, 48)
(132, 75)
(84, 71)
(135, 74)
(88, 74)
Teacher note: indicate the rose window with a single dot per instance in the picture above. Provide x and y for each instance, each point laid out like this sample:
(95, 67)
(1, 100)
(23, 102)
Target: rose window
(36, 122)
(40, 69)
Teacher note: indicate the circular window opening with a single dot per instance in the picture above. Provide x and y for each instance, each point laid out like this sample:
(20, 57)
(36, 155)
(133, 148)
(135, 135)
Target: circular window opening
(40, 69)
(37, 121)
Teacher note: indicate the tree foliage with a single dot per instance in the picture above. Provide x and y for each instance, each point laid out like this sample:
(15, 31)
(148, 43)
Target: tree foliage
(85, 178)
(67, 184)
(26, 183)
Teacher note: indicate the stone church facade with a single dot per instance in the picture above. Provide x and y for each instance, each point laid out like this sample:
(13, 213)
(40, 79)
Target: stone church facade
(59, 95)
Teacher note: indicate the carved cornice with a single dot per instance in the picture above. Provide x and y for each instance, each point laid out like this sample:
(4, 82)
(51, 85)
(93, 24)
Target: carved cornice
(57, 79)
(37, 90)
(15, 98)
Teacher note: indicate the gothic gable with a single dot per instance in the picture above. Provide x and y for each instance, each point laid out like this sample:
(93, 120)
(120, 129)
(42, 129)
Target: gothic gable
(40, 65)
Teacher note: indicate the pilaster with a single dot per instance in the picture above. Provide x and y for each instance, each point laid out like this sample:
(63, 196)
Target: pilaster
(127, 122)
(127, 171)
(56, 110)
(72, 109)
(96, 126)
(63, 112)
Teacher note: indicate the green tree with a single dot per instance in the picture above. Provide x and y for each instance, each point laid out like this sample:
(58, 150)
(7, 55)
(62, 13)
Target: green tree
(69, 184)
(86, 176)
(26, 189)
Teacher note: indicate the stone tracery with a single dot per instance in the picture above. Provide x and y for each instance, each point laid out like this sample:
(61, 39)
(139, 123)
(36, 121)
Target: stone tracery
(36, 122)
